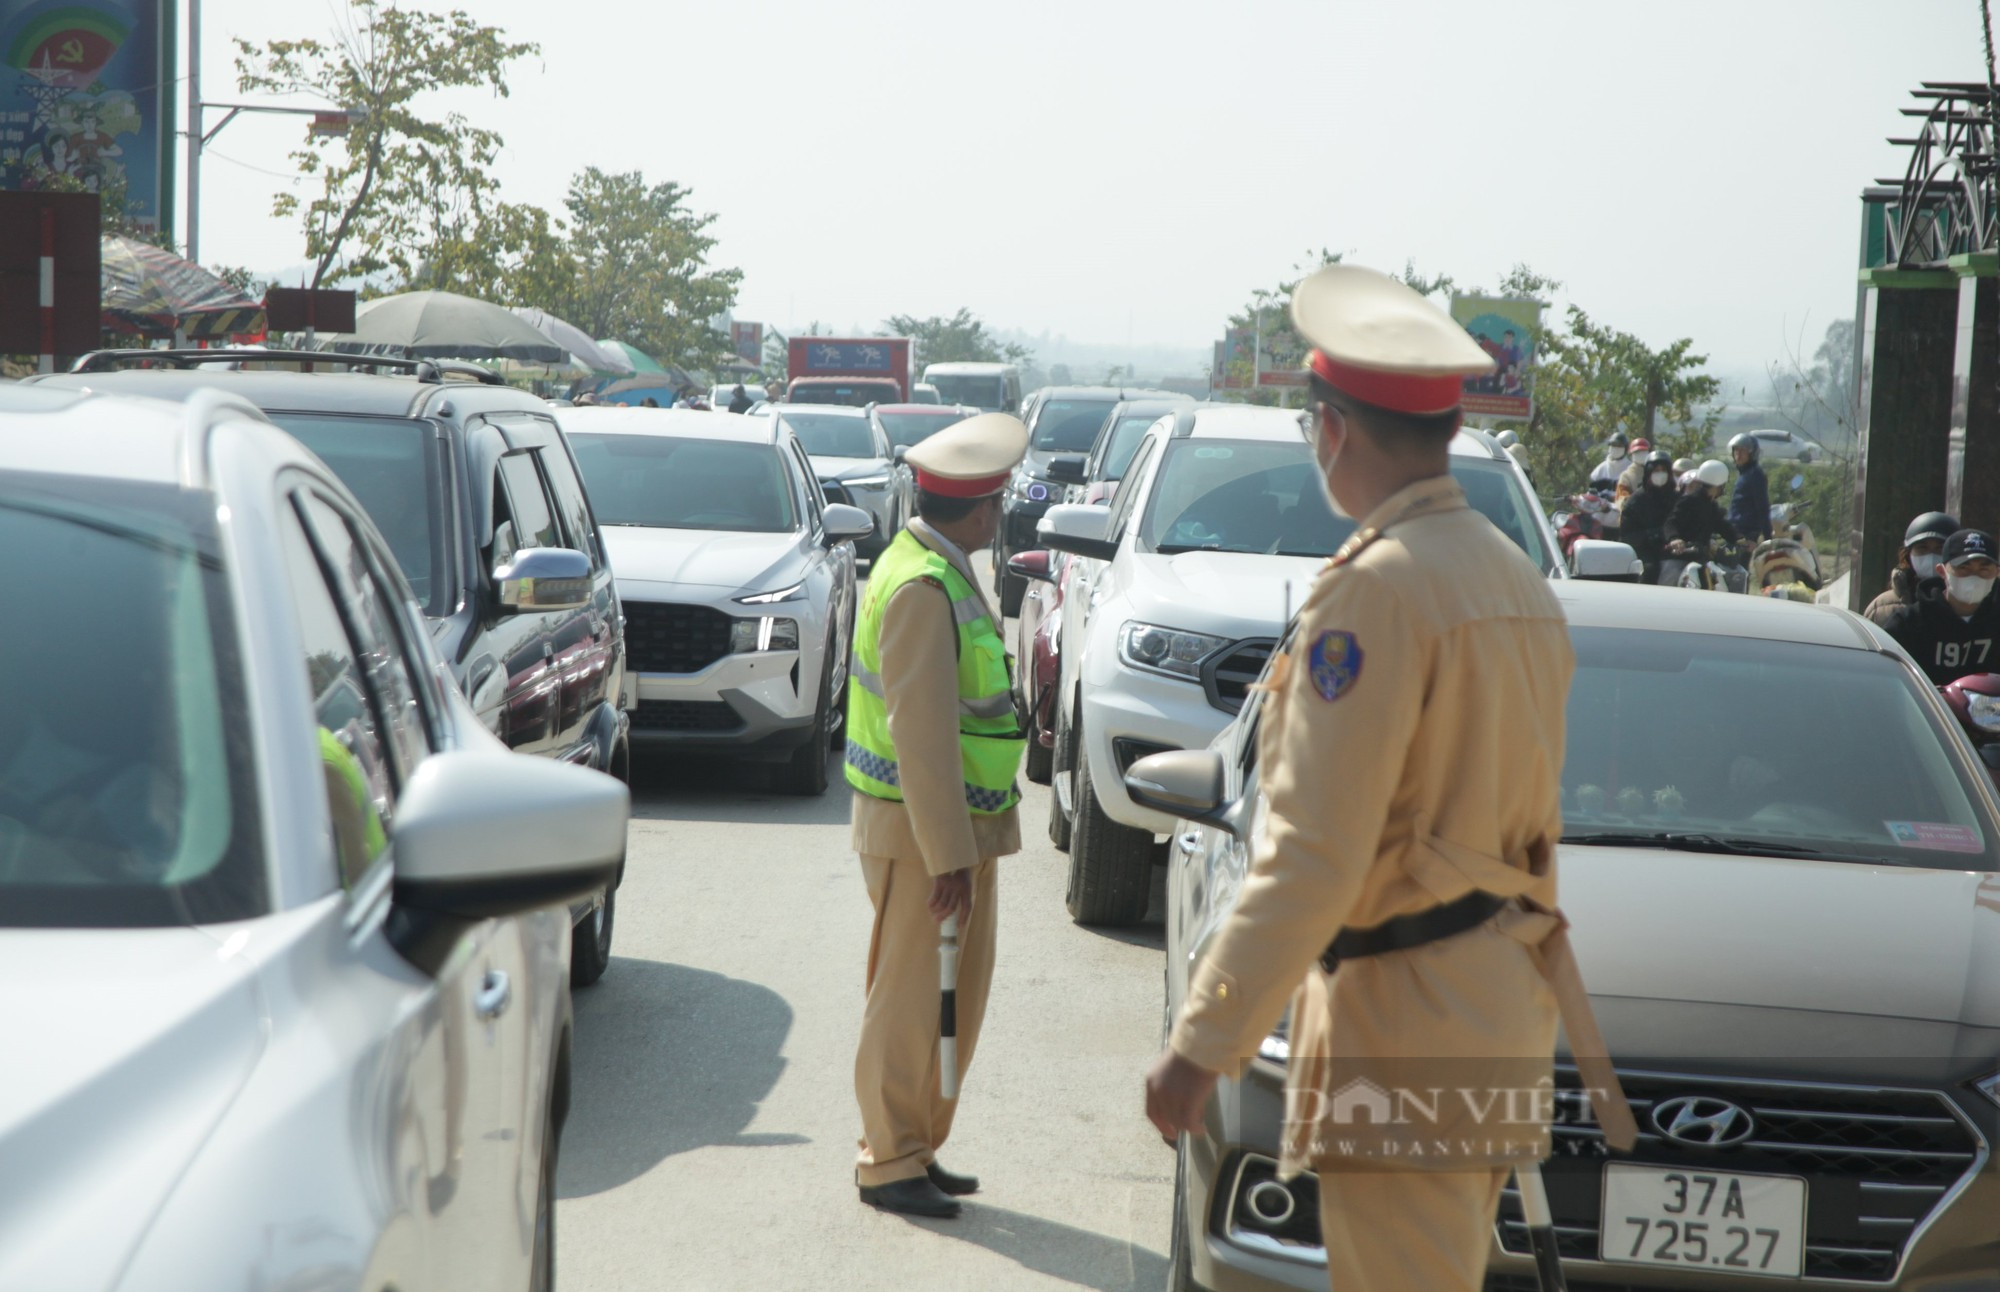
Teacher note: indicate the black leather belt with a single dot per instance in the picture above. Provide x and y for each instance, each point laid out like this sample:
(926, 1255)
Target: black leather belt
(1407, 931)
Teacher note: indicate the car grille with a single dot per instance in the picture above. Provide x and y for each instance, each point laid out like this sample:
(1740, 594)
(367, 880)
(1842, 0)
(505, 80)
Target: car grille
(664, 638)
(1876, 1163)
(1228, 674)
(685, 715)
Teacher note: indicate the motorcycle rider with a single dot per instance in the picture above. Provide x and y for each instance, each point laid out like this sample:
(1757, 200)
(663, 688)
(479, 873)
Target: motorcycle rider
(1697, 517)
(1920, 561)
(1605, 474)
(1630, 477)
(1951, 628)
(1750, 505)
(1643, 521)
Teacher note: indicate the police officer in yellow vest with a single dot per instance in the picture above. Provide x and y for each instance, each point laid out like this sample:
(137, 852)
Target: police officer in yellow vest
(1402, 891)
(933, 746)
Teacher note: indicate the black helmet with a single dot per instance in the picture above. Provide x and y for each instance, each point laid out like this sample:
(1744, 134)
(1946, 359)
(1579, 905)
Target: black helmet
(1616, 437)
(1932, 524)
(1659, 458)
(1745, 441)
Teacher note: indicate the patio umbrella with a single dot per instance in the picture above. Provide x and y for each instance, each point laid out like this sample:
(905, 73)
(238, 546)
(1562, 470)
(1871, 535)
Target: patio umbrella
(153, 292)
(642, 363)
(632, 390)
(574, 339)
(444, 325)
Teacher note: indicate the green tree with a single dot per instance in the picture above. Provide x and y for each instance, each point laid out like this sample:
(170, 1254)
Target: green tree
(962, 338)
(1268, 313)
(1591, 379)
(402, 183)
(513, 256)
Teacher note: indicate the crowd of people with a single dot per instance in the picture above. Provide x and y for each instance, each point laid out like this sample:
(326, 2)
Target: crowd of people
(1667, 508)
(1940, 604)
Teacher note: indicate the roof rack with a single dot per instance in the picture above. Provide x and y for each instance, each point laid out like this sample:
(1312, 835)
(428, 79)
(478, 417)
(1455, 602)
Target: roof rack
(433, 371)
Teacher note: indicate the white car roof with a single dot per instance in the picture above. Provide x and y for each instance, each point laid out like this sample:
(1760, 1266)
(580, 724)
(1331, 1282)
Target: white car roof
(822, 410)
(1591, 604)
(68, 431)
(682, 423)
(965, 369)
(1257, 422)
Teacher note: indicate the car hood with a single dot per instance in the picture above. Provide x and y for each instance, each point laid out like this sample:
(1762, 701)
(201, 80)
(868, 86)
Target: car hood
(1230, 594)
(704, 558)
(848, 468)
(1834, 964)
(124, 1054)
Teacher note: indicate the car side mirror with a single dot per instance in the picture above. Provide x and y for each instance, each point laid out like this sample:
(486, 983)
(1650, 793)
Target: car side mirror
(1032, 565)
(846, 524)
(1067, 469)
(543, 578)
(1185, 783)
(484, 833)
(1601, 559)
(1079, 530)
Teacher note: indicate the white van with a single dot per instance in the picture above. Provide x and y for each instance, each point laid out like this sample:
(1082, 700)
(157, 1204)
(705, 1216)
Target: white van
(989, 387)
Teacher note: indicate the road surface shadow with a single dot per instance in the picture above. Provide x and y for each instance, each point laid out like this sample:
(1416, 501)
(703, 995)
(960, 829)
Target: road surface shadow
(1076, 1256)
(719, 788)
(665, 1059)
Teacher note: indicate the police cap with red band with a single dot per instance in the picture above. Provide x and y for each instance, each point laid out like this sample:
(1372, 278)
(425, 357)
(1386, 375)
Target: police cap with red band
(1379, 342)
(970, 459)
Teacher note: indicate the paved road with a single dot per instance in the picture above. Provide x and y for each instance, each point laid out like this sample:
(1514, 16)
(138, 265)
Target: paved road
(712, 1137)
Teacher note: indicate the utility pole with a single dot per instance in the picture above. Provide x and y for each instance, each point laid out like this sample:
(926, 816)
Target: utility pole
(194, 133)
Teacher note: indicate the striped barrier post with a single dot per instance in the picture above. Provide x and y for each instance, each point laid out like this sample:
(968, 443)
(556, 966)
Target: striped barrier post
(948, 1007)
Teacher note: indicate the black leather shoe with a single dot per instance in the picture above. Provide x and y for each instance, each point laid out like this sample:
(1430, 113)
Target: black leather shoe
(952, 1183)
(915, 1197)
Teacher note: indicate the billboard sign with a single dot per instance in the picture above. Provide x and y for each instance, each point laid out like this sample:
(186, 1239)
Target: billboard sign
(1235, 359)
(83, 100)
(1506, 330)
(1283, 360)
(847, 357)
(747, 340)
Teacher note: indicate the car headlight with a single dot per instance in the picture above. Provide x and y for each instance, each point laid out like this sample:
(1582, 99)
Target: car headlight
(765, 632)
(1989, 1086)
(1985, 711)
(867, 482)
(1166, 650)
(793, 593)
(1027, 486)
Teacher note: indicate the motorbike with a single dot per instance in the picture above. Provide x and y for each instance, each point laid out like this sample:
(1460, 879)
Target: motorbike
(1975, 701)
(1584, 519)
(1786, 565)
(1723, 568)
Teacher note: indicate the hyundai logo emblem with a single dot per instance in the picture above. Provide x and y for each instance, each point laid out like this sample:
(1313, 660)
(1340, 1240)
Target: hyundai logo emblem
(1697, 1121)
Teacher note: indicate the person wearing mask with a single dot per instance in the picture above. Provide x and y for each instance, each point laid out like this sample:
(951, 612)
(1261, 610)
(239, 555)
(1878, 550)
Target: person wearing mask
(1630, 478)
(1750, 505)
(739, 400)
(1605, 474)
(1951, 628)
(1697, 517)
(1643, 523)
(1918, 563)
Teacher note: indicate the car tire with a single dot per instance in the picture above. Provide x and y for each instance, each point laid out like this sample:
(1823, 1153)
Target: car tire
(1062, 759)
(804, 774)
(1110, 865)
(836, 725)
(590, 943)
(1012, 589)
(1040, 762)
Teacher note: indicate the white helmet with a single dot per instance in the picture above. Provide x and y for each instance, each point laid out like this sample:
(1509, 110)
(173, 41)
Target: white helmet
(1712, 473)
(1683, 465)
(1507, 439)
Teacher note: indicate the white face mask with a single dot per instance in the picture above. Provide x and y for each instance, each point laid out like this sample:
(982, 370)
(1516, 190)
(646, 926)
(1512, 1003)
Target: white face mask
(1966, 589)
(1325, 462)
(1659, 479)
(1925, 564)
(1615, 453)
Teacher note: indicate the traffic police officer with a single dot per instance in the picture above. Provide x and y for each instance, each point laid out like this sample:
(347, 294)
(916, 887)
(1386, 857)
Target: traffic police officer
(933, 745)
(1412, 749)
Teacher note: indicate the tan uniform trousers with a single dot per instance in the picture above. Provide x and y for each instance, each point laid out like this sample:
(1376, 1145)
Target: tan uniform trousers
(1409, 1231)
(904, 1120)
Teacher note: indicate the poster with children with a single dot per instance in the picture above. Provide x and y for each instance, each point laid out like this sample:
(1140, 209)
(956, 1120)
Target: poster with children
(1506, 329)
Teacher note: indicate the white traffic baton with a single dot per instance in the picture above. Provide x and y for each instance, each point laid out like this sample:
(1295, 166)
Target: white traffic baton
(948, 1007)
(1541, 1226)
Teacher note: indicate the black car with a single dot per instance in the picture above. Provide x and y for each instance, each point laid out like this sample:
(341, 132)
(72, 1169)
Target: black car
(468, 480)
(1062, 421)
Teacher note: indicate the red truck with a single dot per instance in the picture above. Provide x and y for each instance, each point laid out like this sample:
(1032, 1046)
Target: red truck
(856, 370)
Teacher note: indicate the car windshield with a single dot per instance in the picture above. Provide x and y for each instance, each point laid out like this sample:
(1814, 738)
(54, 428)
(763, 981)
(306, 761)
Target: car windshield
(980, 392)
(1126, 437)
(829, 435)
(392, 464)
(1660, 753)
(1264, 496)
(1070, 425)
(664, 482)
(906, 429)
(125, 781)
(852, 394)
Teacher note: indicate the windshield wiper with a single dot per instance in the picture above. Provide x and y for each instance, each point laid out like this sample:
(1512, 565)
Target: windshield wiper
(1317, 556)
(1175, 549)
(1728, 845)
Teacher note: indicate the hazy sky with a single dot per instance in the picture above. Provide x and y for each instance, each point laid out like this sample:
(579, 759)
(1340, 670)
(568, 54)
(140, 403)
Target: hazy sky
(1111, 170)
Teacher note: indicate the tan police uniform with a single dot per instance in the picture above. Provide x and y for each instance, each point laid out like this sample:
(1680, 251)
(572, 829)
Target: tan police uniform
(903, 845)
(1411, 752)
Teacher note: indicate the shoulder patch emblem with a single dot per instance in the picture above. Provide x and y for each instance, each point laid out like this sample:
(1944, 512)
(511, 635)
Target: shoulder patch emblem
(1335, 664)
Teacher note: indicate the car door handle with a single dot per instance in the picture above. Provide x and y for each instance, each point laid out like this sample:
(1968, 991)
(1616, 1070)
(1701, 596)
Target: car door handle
(493, 995)
(1190, 842)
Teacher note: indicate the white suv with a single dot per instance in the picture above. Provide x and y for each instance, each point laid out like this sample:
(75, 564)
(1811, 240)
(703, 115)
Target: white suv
(1188, 578)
